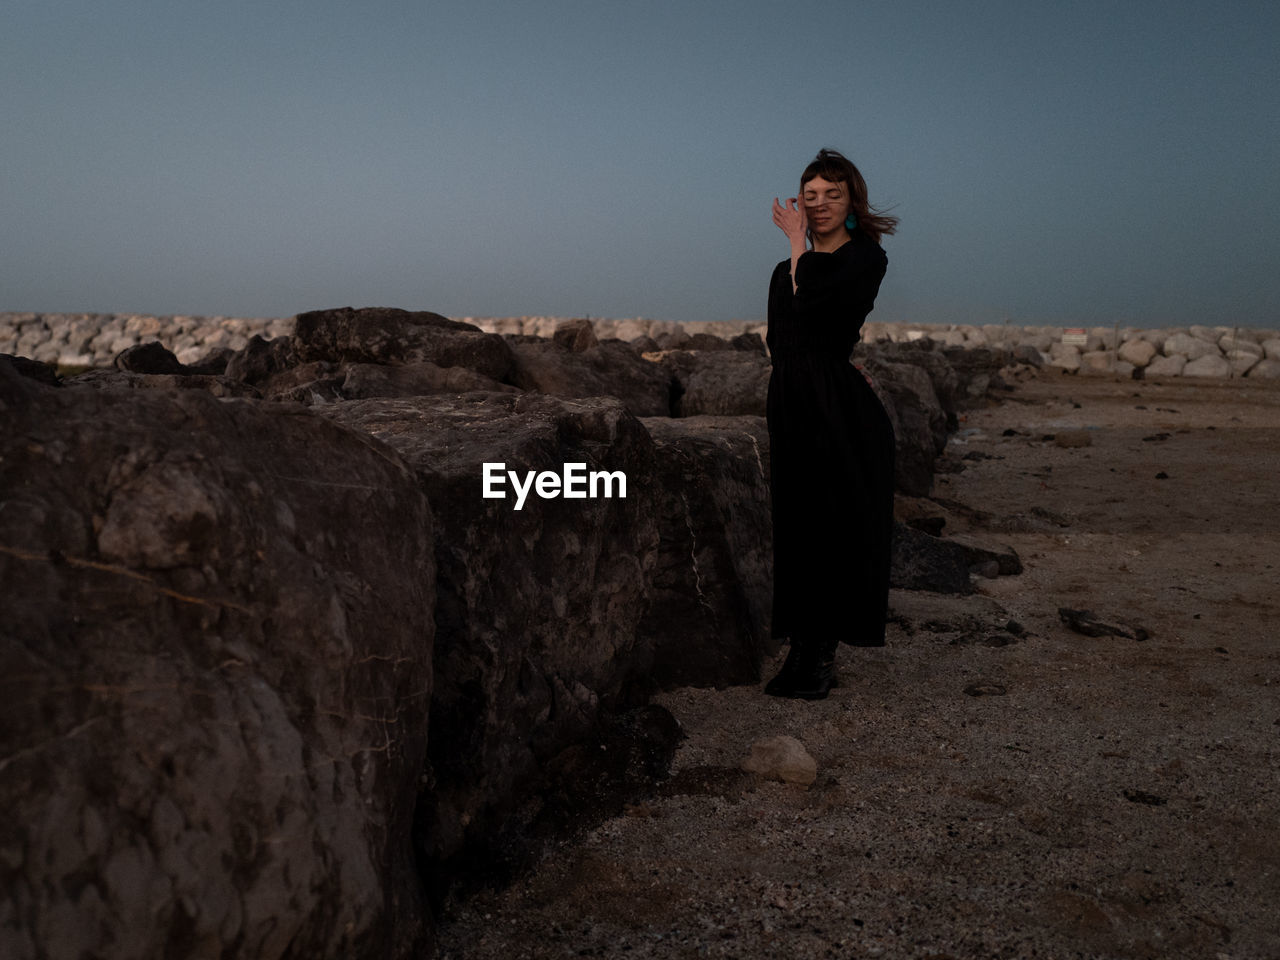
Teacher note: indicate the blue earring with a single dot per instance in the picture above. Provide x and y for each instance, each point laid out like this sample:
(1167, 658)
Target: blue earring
(851, 221)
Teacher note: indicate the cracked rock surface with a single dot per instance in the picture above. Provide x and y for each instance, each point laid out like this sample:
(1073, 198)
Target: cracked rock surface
(209, 697)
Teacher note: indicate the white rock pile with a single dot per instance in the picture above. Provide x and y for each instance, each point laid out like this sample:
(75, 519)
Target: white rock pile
(95, 339)
(1196, 351)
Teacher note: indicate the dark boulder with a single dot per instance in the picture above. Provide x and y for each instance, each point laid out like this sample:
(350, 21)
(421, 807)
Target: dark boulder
(32, 369)
(387, 335)
(214, 724)
(536, 607)
(318, 381)
(151, 357)
(214, 362)
(919, 423)
(749, 342)
(1028, 354)
(718, 383)
(108, 379)
(706, 341)
(575, 335)
(610, 368)
(944, 564)
(924, 353)
(977, 368)
(673, 340)
(644, 344)
(708, 619)
(262, 359)
(363, 381)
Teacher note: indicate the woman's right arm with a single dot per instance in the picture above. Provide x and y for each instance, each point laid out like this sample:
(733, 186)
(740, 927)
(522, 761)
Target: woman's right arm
(791, 220)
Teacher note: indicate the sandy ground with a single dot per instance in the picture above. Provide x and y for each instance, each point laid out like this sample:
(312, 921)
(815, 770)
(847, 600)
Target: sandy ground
(1089, 797)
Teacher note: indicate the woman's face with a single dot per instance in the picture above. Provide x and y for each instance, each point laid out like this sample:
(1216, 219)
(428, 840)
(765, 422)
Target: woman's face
(826, 204)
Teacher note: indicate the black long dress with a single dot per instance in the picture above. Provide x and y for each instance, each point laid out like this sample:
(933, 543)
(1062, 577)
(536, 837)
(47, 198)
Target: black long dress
(831, 449)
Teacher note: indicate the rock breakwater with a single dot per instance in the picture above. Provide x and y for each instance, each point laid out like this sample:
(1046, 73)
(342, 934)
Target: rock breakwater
(83, 340)
(282, 671)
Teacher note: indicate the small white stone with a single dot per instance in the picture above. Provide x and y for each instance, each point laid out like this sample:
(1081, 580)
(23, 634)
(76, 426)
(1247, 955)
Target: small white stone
(782, 758)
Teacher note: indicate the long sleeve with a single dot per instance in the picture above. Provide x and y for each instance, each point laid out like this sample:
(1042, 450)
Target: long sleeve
(838, 286)
(833, 294)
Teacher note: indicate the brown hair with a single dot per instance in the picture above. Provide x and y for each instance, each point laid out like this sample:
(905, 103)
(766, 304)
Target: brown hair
(837, 168)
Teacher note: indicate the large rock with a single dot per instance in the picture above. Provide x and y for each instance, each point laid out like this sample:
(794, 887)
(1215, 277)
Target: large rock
(723, 382)
(1266, 369)
(1211, 334)
(609, 368)
(1193, 348)
(32, 369)
(919, 423)
(262, 359)
(1137, 352)
(948, 338)
(922, 353)
(1027, 353)
(1242, 360)
(707, 341)
(536, 607)
(359, 354)
(386, 335)
(976, 369)
(1166, 366)
(108, 379)
(575, 335)
(749, 342)
(363, 381)
(1105, 362)
(1065, 356)
(213, 729)
(1209, 365)
(1155, 336)
(1240, 341)
(944, 564)
(708, 616)
(151, 357)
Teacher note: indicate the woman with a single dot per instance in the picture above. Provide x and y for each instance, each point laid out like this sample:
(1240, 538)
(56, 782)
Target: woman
(831, 443)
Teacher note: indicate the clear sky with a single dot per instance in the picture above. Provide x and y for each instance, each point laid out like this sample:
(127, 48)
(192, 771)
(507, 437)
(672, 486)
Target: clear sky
(1056, 163)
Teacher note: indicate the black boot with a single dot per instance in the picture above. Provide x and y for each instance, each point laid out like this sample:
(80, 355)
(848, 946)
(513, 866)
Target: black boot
(809, 672)
(783, 684)
(815, 682)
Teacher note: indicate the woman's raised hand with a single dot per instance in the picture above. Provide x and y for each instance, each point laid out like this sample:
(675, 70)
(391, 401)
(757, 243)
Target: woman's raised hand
(791, 219)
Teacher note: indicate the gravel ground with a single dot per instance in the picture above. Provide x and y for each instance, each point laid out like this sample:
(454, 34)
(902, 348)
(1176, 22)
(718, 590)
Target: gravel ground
(982, 791)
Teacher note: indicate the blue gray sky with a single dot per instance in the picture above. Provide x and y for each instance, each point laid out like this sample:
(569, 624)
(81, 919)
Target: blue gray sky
(1056, 163)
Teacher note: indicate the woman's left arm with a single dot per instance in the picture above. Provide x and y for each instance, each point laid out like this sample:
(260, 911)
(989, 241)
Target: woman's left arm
(833, 285)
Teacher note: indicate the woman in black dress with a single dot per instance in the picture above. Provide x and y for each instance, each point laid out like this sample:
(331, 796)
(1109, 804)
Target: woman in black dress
(831, 444)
